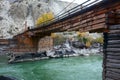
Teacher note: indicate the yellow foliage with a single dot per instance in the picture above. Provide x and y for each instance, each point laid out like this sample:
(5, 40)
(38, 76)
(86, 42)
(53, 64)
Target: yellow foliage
(81, 34)
(90, 38)
(44, 18)
(53, 35)
(50, 15)
(88, 44)
(78, 33)
(100, 40)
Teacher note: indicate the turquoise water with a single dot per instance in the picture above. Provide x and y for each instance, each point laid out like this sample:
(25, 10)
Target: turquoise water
(73, 68)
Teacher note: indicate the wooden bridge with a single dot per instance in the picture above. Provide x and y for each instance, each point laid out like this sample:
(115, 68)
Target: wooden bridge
(92, 17)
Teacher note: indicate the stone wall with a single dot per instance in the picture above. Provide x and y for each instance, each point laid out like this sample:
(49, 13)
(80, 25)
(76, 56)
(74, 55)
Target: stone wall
(45, 44)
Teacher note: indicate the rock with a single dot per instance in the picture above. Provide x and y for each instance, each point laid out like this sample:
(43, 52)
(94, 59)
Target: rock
(78, 45)
(86, 54)
(1, 18)
(7, 78)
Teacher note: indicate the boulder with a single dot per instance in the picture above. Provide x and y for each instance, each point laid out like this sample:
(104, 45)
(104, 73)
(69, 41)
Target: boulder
(1, 18)
(7, 78)
(78, 45)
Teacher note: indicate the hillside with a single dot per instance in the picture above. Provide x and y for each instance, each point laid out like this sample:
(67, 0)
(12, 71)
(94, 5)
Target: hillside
(15, 15)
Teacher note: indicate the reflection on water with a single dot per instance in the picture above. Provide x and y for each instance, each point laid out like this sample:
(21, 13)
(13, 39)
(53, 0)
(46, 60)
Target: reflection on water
(73, 68)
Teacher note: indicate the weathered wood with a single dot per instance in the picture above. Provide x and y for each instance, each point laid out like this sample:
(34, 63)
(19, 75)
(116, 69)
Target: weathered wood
(113, 46)
(113, 42)
(114, 27)
(113, 57)
(113, 75)
(113, 53)
(114, 31)
(112, 35)
(112, 65)
(113, 70)
(113, 38)
(113, 61)
(109, 79)
(113, 49)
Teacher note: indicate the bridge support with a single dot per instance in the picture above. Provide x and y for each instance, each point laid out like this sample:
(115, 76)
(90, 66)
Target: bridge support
(111, 60)
(111, 48)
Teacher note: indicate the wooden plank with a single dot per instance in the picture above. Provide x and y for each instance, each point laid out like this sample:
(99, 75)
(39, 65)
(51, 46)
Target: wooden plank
(98, 26)
(114, 31)
(113, 57)
(113, 70)
(113, 38)
(113, 53)
(110, 42)
(113, 65)
(101, 20)
(113, 49)
(118, 15)
(111, 21)
(109, 79)
(113, 75)
(99, 16)
(113, 61)
(114, 35)
(114, 46)
(114, 27)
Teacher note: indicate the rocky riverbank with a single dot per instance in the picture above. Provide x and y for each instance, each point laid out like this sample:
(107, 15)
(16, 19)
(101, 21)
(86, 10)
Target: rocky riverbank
(61, 51)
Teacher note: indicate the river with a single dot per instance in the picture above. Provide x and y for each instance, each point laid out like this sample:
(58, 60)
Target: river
(73, 68)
